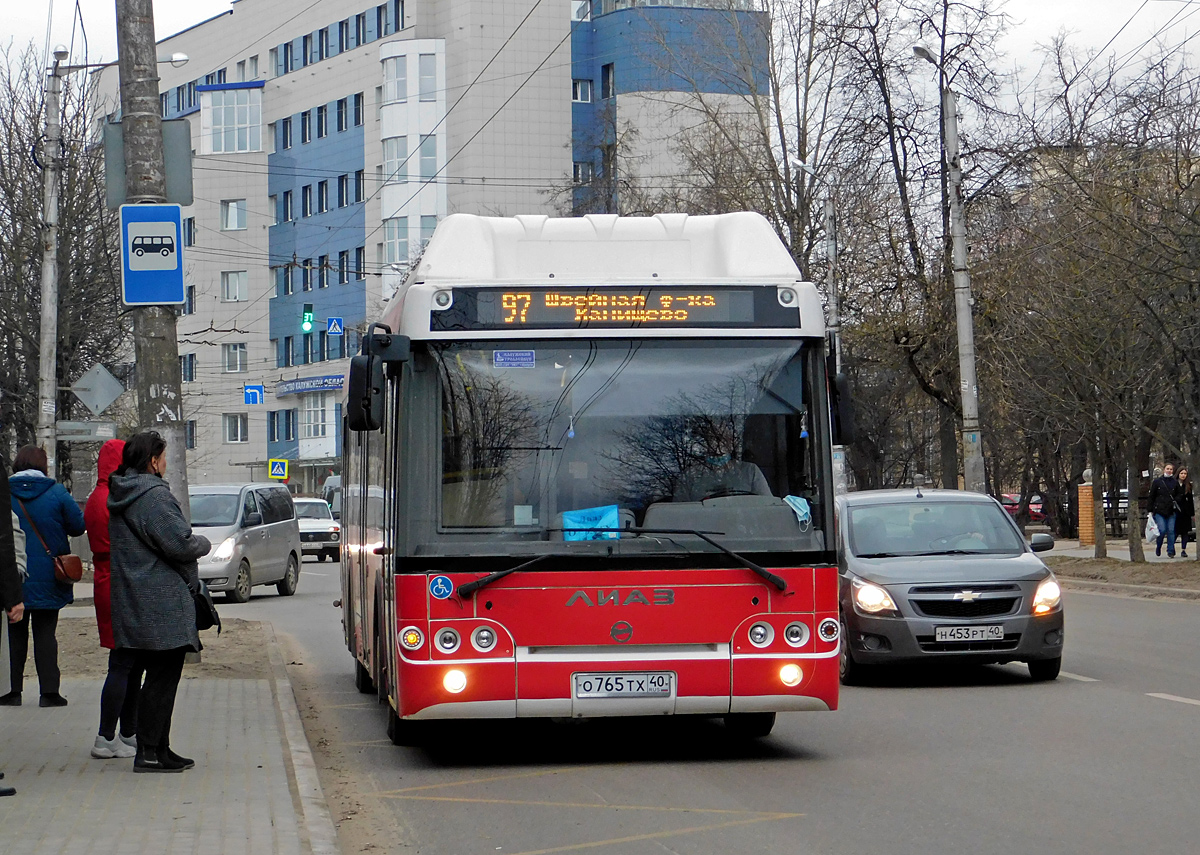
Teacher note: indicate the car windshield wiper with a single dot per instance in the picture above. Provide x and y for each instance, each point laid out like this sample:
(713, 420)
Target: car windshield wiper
(468, 588)
(778, 581)
(951, 552)
(877, 555)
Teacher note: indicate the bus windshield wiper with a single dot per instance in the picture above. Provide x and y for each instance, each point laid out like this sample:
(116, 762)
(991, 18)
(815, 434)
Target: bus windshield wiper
(468, 588)
(778, 581)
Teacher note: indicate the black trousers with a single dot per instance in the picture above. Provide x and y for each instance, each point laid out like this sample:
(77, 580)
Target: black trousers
(121, 694)
(45, 649)
(157, 703)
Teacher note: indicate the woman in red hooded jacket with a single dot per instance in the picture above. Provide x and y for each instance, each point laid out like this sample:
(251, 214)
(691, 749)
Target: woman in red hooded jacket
(119, 697)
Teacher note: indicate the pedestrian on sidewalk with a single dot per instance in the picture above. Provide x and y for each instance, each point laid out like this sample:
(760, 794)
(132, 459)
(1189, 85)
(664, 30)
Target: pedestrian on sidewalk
(12, 607)
(49, 516)
(1186, 502)
(154, 577)
(122, 686)
(1162, 505)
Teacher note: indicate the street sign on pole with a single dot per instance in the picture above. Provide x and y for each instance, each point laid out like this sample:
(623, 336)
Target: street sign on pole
(85, 431)
(253, 394)
(334, 326)
(97, 389)
(152, 255)
(278, 469)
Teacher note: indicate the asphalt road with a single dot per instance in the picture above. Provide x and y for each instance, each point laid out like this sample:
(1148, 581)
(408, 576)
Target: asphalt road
(971, 761)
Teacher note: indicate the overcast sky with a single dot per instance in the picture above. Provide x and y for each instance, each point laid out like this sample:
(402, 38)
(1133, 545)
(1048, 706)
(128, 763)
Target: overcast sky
(1034, 21)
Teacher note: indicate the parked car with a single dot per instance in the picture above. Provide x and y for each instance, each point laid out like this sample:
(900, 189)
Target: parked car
(943, 575)
(320, 534)
(255, 537)
(1012, 503)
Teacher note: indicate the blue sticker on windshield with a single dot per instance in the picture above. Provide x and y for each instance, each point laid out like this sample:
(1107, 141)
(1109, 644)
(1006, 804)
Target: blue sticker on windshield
(514, 359)
(583, 524)
(441, 587)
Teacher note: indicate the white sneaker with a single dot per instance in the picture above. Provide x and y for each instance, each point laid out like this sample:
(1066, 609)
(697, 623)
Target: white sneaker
(107, 749)
(131, 741)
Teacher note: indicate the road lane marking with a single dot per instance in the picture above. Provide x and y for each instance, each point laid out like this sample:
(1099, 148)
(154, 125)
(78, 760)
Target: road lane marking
(311, 573)
(762, 815)
(486, 780)
(1077, 677)
(1175, 698)
(658, 835)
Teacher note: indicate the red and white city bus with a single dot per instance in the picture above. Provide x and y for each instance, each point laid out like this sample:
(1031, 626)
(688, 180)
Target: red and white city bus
(587, 472)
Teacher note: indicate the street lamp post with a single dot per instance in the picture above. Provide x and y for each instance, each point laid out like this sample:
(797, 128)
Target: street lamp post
(972, 436)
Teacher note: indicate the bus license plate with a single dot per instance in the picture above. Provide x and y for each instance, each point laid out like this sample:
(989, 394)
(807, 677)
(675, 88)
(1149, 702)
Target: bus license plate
(990, 632)
(635, 684)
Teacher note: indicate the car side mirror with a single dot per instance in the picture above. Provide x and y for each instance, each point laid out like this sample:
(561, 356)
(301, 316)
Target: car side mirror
(1041, 542)
(252, 520)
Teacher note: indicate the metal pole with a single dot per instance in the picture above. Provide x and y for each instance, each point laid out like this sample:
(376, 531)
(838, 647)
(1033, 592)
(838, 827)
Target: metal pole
(835, 318)
(972, 438)
(156, 349)
(47, 438)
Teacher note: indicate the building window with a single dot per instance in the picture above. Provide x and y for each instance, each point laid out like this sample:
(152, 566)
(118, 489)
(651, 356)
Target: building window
(427, 64)
(306, 47)
(189, 434)
(191, 95)
(322, 197)
(237, 427)
(273, 426)
(608, 83)
(285, 133)
(322, 346)
(360, 262)
(289, 425)
(285, 355)
(187, 368)
(343, 36)
(360, 29)
(398, 14)
(581, 91)
(164, 105)
(305, 126)
(316, 406)
(360, 185)
(233, 215)
(241, 71)
(231, 121)
(189, 231)
(306, 275)
(343, 197)
(581, 10)
(583, 172)
(283, 281)
(306, 349)
(383, 20)
(395, 157)
(306, 207)
(322, 121)
(343, 111)
(286, 213)
(359, 107)
(323, 271)
(395, 80)
(343, 267)
(234, 358)
(428, 224)
(322, 43)
(273, 59)
(252, 67)
(234, 286)
(428, 157)
(273, 210)
(395, 240)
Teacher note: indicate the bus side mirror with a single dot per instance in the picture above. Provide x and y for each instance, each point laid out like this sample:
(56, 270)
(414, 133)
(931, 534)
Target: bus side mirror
(842, 411)
(364, 396)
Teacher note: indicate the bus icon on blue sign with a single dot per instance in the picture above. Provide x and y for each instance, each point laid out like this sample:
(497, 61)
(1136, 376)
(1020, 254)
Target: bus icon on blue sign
(441, 587)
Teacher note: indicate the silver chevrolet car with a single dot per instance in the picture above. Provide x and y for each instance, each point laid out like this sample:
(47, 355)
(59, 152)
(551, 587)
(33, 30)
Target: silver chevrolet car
(940, 575)
(254, 534)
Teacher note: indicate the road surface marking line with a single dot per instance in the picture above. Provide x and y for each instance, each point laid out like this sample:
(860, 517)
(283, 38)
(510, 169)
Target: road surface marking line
(1175, 698)
(360, 705)
(658, 835)
(487, 780)
(535, 803)
(1077, 677)
(311, 573)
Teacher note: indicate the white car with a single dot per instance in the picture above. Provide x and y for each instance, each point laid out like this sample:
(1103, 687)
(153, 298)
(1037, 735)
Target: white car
(320, 534)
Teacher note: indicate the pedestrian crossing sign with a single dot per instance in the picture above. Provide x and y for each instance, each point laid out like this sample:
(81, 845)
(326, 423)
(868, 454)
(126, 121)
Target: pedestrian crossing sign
(279, 469)
(334, 326)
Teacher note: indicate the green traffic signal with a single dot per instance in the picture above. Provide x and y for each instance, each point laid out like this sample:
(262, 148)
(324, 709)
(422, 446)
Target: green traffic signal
(306, 321)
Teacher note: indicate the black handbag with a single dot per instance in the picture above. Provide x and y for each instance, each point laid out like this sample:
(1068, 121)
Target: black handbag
(206, 610)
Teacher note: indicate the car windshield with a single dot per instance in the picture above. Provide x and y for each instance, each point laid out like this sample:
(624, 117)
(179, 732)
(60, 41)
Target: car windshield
(213, 509)
(560, 437)
(931, 527)
(313, 511)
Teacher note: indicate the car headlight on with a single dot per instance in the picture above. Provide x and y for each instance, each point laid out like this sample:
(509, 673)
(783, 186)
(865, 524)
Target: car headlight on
(225, 551)
(1048, 596)
(872, 599)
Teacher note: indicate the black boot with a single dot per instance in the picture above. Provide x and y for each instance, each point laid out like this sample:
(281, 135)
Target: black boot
(148, 760)
(12, 699)
(166, 755)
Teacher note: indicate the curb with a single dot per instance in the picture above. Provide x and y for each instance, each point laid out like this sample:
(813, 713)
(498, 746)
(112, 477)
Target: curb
(322, 836)
(1100, 586)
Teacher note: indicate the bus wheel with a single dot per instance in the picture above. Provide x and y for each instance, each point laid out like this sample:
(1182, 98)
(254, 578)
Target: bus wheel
(362, 680)
(404, 733)
(753, 725)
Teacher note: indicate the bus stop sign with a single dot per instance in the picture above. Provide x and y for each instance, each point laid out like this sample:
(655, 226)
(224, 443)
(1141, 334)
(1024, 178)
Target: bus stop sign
(152, 255)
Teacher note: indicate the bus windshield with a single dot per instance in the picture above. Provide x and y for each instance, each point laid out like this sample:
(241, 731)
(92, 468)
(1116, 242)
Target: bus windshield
(569, 439)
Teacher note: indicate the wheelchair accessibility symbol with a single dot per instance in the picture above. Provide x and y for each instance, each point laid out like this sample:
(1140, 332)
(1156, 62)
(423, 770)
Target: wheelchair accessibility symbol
(441, 587)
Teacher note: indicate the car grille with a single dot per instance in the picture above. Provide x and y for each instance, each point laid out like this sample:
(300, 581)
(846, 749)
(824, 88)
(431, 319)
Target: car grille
(927, 644)
(959, 609)
(310, 536)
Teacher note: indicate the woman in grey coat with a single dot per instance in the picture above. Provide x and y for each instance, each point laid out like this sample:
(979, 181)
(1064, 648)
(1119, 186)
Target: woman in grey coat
(154, 574)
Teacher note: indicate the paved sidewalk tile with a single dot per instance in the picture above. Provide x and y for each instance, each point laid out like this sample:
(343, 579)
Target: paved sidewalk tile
(237, 799)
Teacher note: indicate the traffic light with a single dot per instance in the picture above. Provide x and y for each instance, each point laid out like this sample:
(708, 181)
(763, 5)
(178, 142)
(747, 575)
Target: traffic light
(306, 321)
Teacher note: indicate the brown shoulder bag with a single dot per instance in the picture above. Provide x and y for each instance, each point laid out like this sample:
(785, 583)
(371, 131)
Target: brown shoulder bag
(67, 568)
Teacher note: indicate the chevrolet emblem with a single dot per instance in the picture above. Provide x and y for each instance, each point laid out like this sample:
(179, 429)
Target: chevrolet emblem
(966, 596)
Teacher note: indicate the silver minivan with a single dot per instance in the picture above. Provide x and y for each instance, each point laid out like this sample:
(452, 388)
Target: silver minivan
(255, 538)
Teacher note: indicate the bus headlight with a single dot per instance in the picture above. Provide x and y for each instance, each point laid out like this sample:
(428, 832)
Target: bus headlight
(411, 638)
(447, 640)
(484, 639)
(454, 681)
(796, 634)
(760, 634)
(791, 675)
(1048, 596)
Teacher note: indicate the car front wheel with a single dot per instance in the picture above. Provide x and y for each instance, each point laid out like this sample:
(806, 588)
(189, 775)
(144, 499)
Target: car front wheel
(287, 585)
(1045, 670)
(241, 585)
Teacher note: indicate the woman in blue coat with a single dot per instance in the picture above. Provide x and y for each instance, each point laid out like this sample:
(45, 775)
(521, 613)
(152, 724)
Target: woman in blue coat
(51, 509)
